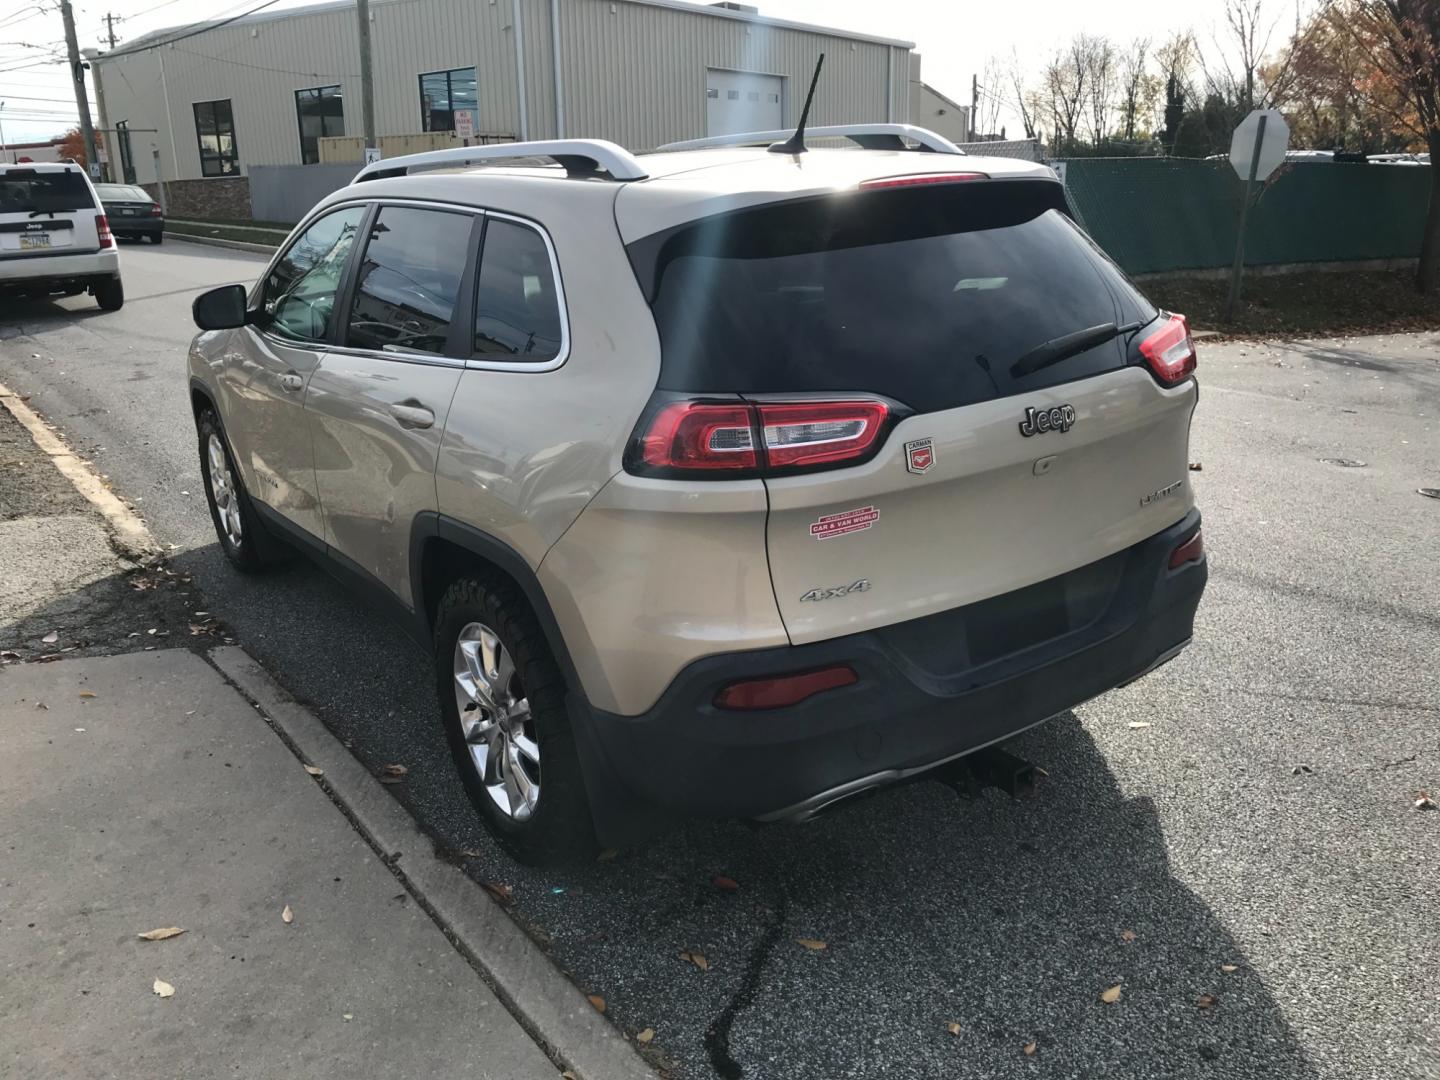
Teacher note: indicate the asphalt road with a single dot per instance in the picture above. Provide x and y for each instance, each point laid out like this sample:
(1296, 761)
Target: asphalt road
(1174, 809)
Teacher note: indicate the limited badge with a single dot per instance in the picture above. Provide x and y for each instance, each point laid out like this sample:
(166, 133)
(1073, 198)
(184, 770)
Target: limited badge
(919, 455)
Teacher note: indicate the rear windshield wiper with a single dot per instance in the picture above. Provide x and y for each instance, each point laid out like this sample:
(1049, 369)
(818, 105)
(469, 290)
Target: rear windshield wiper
(1068, 345)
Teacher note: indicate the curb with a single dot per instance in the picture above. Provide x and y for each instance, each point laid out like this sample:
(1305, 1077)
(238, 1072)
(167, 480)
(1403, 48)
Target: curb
(129, 532)
(548, 1006)
(215, 241)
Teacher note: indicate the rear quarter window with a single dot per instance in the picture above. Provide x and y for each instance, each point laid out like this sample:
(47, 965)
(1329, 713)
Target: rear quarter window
(927, 295)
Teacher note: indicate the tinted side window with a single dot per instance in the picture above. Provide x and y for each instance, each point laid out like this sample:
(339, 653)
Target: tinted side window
(409, 280)
(517, 308)
(299, 296)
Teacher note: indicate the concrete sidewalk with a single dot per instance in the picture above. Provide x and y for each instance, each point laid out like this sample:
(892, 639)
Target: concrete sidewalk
(143, 791)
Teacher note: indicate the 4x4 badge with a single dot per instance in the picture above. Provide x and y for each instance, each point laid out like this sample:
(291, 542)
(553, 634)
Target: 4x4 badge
(1060, 418)
(919, 455)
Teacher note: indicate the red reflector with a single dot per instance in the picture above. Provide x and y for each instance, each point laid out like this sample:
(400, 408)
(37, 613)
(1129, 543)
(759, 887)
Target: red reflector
(777, 693)
(923, 178)
(691, 435)
(1169, 351)
(1192, 550)
(816, 433)
(102, 227)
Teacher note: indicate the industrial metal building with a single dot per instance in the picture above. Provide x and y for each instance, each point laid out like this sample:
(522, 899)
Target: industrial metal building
(266, 89)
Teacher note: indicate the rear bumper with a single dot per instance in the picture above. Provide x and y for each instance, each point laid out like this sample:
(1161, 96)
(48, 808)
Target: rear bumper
(137, 226)
(922, 698)
(35, 270)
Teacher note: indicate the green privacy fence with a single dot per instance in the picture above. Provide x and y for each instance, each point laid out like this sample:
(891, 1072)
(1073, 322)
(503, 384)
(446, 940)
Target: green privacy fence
(1162, 214)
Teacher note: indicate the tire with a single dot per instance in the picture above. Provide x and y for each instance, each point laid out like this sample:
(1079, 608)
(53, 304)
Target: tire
(535, 727)
(157, 238)
(242, 536)
(110, 294)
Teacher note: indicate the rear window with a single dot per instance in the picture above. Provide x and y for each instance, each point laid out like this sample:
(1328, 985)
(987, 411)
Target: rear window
(29, 190)
(121, 193)
(927, 295)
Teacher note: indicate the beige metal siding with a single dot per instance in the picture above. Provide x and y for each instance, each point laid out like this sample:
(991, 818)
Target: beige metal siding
(634, 74)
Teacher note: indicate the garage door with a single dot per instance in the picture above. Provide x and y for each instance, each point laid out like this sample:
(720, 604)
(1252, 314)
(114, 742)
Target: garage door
(743, 101)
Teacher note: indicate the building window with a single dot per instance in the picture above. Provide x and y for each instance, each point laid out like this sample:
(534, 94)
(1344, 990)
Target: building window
(443, 94)
(215, 128)
(321, 113)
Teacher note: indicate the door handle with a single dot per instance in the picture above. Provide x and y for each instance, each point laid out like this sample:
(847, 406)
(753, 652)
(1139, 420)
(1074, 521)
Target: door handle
(291, 382)
(411, 414)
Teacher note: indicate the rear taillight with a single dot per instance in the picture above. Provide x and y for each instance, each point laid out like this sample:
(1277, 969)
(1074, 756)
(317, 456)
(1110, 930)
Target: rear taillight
(756, 438)
(1169, 351)
(155, 211)
(1192, 550)
(695, 435)
(102, 226)
(920, 180)
(783, 690)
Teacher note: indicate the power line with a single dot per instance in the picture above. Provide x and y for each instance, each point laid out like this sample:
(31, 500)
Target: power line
(200, 29)
(261, 67)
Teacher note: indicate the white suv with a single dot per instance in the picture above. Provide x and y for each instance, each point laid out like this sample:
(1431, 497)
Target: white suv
(720, 480)
(54, 238)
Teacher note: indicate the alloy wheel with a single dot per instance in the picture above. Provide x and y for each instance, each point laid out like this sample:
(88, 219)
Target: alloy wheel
(222, 488)
(496, 721)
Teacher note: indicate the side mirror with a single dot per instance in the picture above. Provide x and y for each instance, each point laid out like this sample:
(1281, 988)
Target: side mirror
(220, 309)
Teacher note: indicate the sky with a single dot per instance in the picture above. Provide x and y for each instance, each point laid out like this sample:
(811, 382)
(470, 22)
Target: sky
(954, 40)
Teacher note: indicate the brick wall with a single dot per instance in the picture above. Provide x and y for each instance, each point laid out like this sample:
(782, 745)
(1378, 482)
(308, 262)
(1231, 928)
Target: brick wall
(217, 197)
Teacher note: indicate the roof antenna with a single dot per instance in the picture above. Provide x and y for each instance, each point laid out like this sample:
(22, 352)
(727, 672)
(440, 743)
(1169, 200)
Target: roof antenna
(796, 143)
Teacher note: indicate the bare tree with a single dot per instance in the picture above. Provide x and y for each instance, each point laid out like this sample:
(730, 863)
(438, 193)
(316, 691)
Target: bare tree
(988, 107)
(1100, 59)
(1138, 87)
(1233, 69)
(1067, 83)
(1024, 101)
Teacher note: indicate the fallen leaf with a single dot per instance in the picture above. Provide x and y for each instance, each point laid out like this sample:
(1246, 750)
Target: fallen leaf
(163, 989)
(52, 637)
(287, 915)
(811, 944)
(567, 1075)
(87, 693)
(1206, 1000)
(9, 654)
(1030, 1049)
(1112, 995)
(1196, 466)
(161, 934)
(645, 1036)
(698, 959)
(1423, 801)
(1302, 768)
(347, 1017)
(313, 771)
(1139, 723)
(725, 884)
(1228, 968)
(953, 1028)
(1127, 935)
(607, 855)
(597, 1001)
(395, 770)
(498, 891)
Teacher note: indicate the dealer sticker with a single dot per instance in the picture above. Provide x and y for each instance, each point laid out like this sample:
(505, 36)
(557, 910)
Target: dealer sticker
(847, 521)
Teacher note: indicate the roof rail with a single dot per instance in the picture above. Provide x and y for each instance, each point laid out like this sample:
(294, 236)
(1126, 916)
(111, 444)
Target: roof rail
(581, 157)
(870, 136)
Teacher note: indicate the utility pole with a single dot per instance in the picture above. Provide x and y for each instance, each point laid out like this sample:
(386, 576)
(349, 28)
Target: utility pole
(367, 80)
(974, 107)
(82, 102)
(110, 28)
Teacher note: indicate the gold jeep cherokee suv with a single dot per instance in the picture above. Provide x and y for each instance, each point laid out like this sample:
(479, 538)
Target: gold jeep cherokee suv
(716, 480)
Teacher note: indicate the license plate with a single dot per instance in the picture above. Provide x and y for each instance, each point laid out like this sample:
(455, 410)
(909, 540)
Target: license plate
(29, 241)
(129, 213)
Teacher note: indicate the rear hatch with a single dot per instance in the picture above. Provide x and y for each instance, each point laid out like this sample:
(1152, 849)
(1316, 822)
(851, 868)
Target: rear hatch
(46, 212)
(991, 471)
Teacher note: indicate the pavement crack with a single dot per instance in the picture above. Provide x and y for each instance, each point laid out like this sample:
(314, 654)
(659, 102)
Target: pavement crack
(717, 1035)
(1360, 703)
